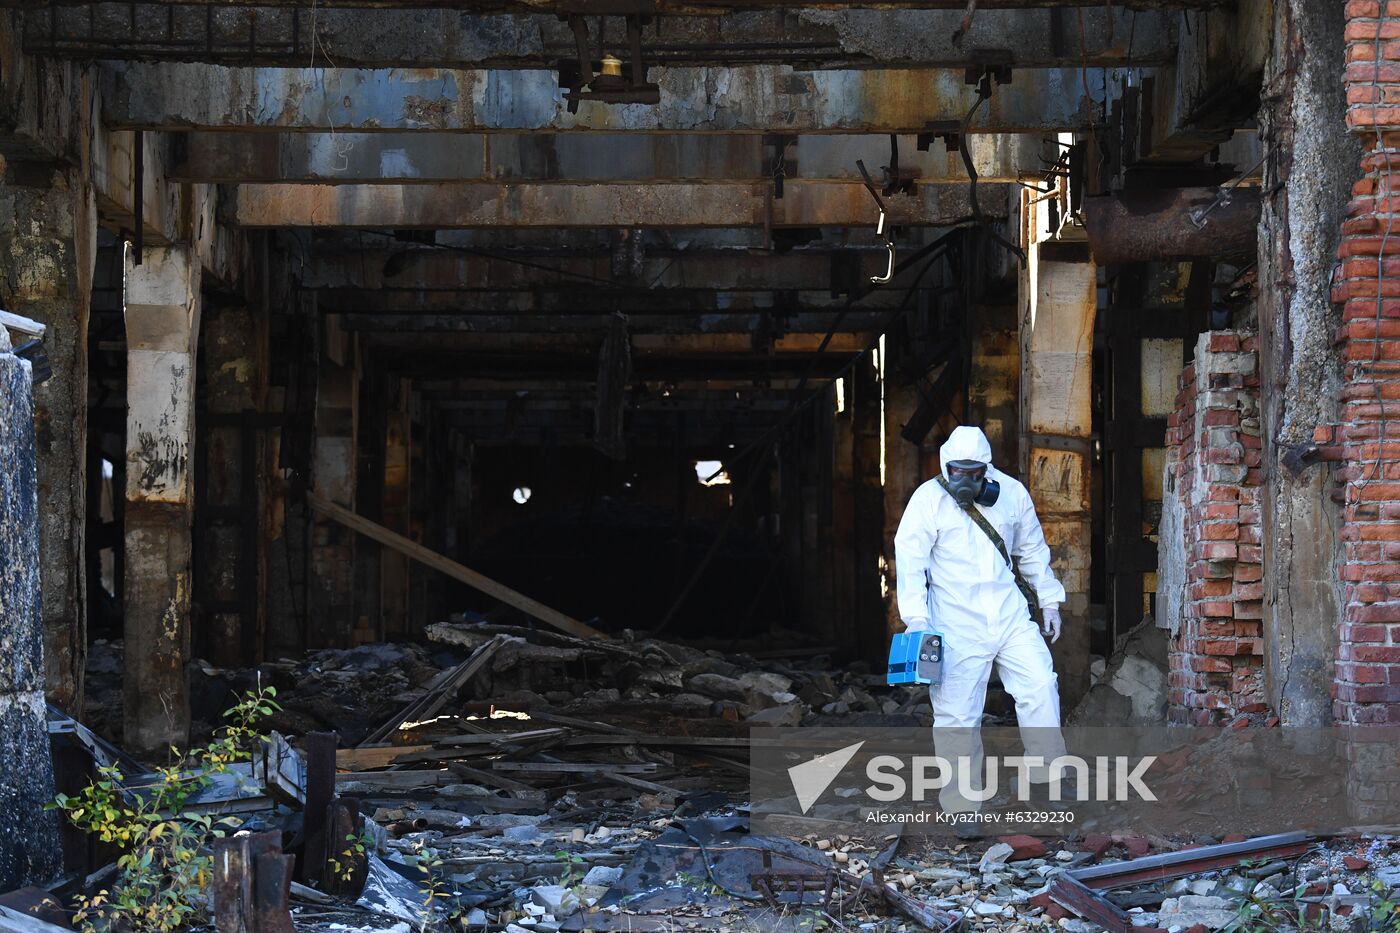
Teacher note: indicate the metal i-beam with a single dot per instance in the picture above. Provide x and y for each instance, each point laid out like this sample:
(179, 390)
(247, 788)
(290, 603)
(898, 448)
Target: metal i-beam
(281, 36)
(427, 361)
(419, 157)
(447, 206)
(585, 298)
(677, 7)
(426, 268)
(658, 347)
(599, 322)
(739, 98)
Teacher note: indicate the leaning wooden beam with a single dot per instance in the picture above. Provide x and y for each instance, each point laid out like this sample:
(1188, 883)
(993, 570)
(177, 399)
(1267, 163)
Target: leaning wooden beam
(442, 688)
(451, 568)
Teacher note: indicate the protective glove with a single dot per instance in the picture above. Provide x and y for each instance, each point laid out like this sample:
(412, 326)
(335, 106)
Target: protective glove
(1051, 622)
(917, 625)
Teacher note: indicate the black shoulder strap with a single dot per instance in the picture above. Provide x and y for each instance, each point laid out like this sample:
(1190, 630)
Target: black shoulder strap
(989, 529)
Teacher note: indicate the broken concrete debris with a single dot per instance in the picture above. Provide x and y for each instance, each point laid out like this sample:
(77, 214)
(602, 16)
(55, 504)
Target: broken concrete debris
(568, 810)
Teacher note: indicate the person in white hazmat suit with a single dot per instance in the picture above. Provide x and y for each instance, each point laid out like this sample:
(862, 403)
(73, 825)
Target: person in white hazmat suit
(952, 579)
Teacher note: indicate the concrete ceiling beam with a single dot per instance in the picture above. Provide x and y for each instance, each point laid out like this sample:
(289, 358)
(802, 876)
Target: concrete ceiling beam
(449, 206)
(424, 158)
(739, 98)
(275, 35)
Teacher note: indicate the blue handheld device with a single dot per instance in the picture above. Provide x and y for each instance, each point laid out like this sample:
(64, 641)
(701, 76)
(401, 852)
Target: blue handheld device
(915, 658)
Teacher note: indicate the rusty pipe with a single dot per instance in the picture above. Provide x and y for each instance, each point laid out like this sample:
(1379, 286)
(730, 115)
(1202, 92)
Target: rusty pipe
(404, 827)
(1151, 225)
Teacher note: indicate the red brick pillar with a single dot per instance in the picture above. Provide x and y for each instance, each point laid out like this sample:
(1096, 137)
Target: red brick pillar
(1366, 443)
(1213, 457)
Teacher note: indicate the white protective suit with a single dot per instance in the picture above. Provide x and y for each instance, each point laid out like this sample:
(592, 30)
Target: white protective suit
(952, 580)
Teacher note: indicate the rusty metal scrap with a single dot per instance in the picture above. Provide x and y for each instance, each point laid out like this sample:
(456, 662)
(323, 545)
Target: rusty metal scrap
(1151, 225)
(252, 881)
(1077, 889)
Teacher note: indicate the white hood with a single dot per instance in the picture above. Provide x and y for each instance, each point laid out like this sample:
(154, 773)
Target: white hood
(965, 443)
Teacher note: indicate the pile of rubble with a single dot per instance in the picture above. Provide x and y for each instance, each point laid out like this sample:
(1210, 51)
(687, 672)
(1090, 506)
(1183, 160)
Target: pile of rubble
(521, 780)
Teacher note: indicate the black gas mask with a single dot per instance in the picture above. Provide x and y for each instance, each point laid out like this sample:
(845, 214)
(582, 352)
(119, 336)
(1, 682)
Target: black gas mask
(968, 483)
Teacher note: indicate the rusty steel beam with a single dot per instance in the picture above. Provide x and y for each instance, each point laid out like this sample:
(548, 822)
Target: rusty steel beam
(753, 99)
(675, 7)
(586, 299)
(598, 322)
(435, 269)
(227, 156)
(583, 298)
(1150, 225)
(267, 34)
(449, 206)
(643, 345)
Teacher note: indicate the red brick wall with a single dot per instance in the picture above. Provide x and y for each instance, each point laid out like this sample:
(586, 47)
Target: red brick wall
(1366, 442)
(1213, 458)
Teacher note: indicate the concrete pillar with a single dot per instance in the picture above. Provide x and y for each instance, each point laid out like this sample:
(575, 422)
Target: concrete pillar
(1058, 302)
(460, 530)
(1303, 119)
(230, 572)
(398, 461)
(369, 484)
(841, 551)
(48, 244)
(162, 324)
(903, 475)
(332, 584)
(869, 516)
(29, 849)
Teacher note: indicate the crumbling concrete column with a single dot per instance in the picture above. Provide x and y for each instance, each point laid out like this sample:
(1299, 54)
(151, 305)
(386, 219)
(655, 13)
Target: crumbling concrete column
(1057, 327)
(230, 551)
(332, 584)
(162, 325)
(29, 850)
(47, 250)
(1303, 125)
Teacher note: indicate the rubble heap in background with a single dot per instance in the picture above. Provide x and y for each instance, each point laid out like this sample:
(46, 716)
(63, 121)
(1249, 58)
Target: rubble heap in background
(522, 780)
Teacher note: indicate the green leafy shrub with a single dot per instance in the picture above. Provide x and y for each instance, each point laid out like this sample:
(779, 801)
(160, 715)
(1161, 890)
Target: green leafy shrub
(164, 869)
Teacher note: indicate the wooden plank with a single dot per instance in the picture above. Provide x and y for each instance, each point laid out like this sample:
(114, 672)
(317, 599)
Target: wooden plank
(624, 780)
(12, 921)
(498, 738)
(451, 568)
(440, 690)
(587, 724)
(397, 780)
(367, 759)
(659, 741)
(516, 789)
(575, 767)
(22, 324)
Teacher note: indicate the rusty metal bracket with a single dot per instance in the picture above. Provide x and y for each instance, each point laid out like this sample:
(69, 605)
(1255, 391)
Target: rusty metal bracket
(772, 883)
(252, 880)
(880, 228)
(581, 82)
